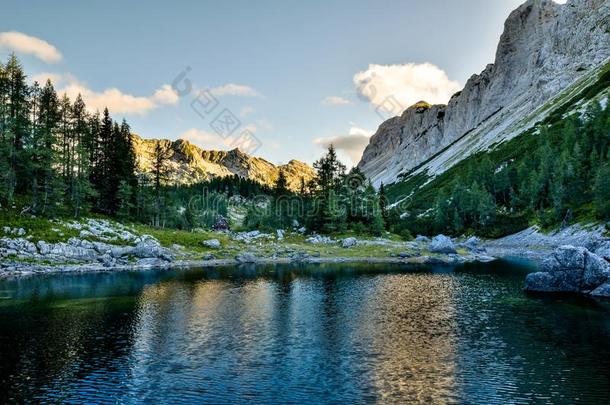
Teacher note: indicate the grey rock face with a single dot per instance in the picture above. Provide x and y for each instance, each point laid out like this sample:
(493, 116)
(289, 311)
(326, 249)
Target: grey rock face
(544, 48)
(191, 164)
(442, 244)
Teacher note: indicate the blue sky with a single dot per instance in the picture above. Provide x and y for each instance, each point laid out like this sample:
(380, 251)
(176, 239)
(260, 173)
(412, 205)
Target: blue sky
(287, 70)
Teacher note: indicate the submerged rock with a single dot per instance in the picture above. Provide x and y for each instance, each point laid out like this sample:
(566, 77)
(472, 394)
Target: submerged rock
(559, 281)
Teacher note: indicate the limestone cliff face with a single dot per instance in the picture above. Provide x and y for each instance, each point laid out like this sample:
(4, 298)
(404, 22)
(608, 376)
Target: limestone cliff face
(545, 48)
(190, 164)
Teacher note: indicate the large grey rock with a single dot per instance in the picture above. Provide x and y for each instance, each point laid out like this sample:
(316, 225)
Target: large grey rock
(570, 257)
(545, 47)
(212, 243)
(570, 269)
(349, 242)
(442, 244)
(151, 248)
(596, 271)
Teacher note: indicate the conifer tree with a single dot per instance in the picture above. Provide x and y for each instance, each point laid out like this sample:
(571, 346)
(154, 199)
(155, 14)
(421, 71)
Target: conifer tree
(161, 155)
(46, 187)
(17, 126)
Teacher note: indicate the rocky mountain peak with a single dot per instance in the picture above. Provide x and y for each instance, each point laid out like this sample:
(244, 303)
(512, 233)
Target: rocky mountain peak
(545, 47)
(190, 164)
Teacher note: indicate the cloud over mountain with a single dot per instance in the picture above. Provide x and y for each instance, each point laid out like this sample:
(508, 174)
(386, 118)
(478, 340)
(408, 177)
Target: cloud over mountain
(406, 84)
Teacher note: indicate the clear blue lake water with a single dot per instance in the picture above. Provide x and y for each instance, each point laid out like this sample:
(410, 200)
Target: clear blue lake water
(333, 333)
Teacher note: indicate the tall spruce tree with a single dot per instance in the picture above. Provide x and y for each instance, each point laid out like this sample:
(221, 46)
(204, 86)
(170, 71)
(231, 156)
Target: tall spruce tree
(46, 186)
(161, 156)
(18, 127)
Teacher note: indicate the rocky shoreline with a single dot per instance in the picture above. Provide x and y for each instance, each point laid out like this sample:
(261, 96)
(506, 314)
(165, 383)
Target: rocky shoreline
(103, 246)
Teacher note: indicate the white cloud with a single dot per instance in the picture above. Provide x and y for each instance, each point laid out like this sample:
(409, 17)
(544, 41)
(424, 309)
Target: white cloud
(351, 145)
(232, 89)
(26, 44)
(335, 100)
(116, 100)
(407, 84)
(166, 95)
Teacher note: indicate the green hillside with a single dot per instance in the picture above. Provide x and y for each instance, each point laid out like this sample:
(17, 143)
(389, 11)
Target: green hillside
(554, 172)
